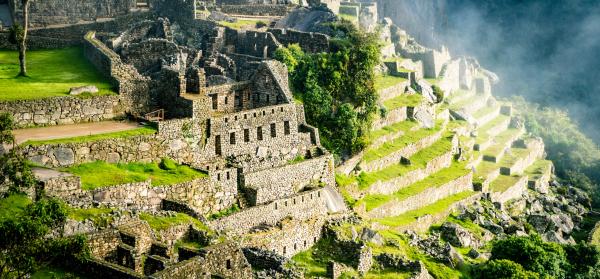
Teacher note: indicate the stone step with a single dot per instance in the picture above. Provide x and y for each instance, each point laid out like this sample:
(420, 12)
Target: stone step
(486, 114)
(436, 186)
(503, 143)
(519, 159)
(421, 219)
(486, 133)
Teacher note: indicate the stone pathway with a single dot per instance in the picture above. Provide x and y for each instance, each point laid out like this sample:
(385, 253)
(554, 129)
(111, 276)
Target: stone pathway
(73, 130)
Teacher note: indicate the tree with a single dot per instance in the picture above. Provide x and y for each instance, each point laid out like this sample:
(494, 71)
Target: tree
(14, 170)
(503, 269)
(18, 36)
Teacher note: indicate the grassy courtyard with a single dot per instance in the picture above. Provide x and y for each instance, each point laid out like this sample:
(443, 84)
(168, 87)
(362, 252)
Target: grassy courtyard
(102, 174)
(51, 73)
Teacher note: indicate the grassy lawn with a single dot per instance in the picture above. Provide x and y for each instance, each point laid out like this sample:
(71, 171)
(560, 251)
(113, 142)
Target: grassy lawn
(403, 100)
(51, 73)
(418, 160)
(160, 223)
(101, 174)
(399, 143)
(13, 206)
(386, 81)
(402, 126)
(411, 216)
(513, 155)
(486, 167)
(502, 141)
(241, 23)
(146, 130)
(503, 182)
(95, 214)
(435, 180)
(538, 168)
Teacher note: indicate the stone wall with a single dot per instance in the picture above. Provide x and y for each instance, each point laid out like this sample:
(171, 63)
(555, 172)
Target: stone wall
(301, 207)
(392, 91)
(426, 197)
(276, 183)
(204, 195)
(392, 117)
(63, 110)
(308, 41)
(433, 60)
(406, 152)
(133, 88)
(535, 152)
(289, 238)
(514, 192)
(393, 185)
(55, 12)
(218, 261)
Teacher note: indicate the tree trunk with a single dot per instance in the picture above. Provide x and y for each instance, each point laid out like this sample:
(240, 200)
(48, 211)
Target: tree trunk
(23, 43)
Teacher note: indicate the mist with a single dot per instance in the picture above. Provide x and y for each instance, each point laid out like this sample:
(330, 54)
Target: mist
(546, 51)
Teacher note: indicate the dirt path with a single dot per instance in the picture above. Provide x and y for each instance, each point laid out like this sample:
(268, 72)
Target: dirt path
(74, 130)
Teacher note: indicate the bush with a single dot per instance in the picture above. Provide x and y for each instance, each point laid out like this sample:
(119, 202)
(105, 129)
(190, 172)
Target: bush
(167, 164)
(502, 269)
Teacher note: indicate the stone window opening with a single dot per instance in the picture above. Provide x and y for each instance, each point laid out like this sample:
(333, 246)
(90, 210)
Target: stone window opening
(273, 130)
(272, 111)
(226, 119)
(235, 118)
(315, 239)
(286, 127)
(259, 133)
(305, 244)
(214, 102)
(232, 138)
(218, 150)
(295, 246)
(285, 203)
(226, 100)
(302, 198)
(218, 177)
(246, 135)
(319, 194)
(311, 197)
(228, 176)
(281, 109)
(264, 113)
(275, 206)
(255, 114)
(284, 250)
(207, 168)
(228, 264)
(294, 201)
(245, 116)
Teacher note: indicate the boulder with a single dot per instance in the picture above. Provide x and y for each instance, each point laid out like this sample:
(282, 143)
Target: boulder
(457, 235)
(83, 89)
(64, 156)
(541, 223)
(371, 236)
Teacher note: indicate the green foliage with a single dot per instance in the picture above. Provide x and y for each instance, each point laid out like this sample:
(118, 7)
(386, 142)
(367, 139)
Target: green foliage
(15, 170)
(575, 156)
(16, 34)
(225, 212)
(582, 257)
(23, 247)
(101, 174)
(337, 88)
(51, 72)
(7, 124)
(503, 269)
(438, 92)
(544, 258)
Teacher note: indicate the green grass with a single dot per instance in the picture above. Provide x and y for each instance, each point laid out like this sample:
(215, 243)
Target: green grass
(225, 212)
(146, 130)
(101, 174)
(411, 216)
(403, 100)
(463, 103)
(315, 260)
(494, 122)
(93, 214)
(13, 206)
(514, 154)
(387, 81)
(484, 111)
(296, 160)
(538, 168)
(503, 182)
(240, 23)
(402, 126)
(502, 141)
(433, 181)
(398, 143)
(485, 167)
(159, 223)
(51, 73)
(350, 18)
(418, 160)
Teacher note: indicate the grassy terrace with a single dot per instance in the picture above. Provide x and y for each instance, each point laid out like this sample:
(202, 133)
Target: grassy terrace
(399, 143)
(146, 130)
(501, 142)
(538, 168)
(159, 223)
(435, 208)
(433, 181)
(418, 160)
(241, 23)
(386, 81)
(503, 182)
(101, 174)
(465, 102)
(51, 73)
(403, 126)
(484, 111)
(513, 155)
(403, 100)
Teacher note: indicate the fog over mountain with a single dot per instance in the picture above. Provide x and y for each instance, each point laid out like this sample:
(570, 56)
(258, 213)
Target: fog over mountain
(548, 51)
